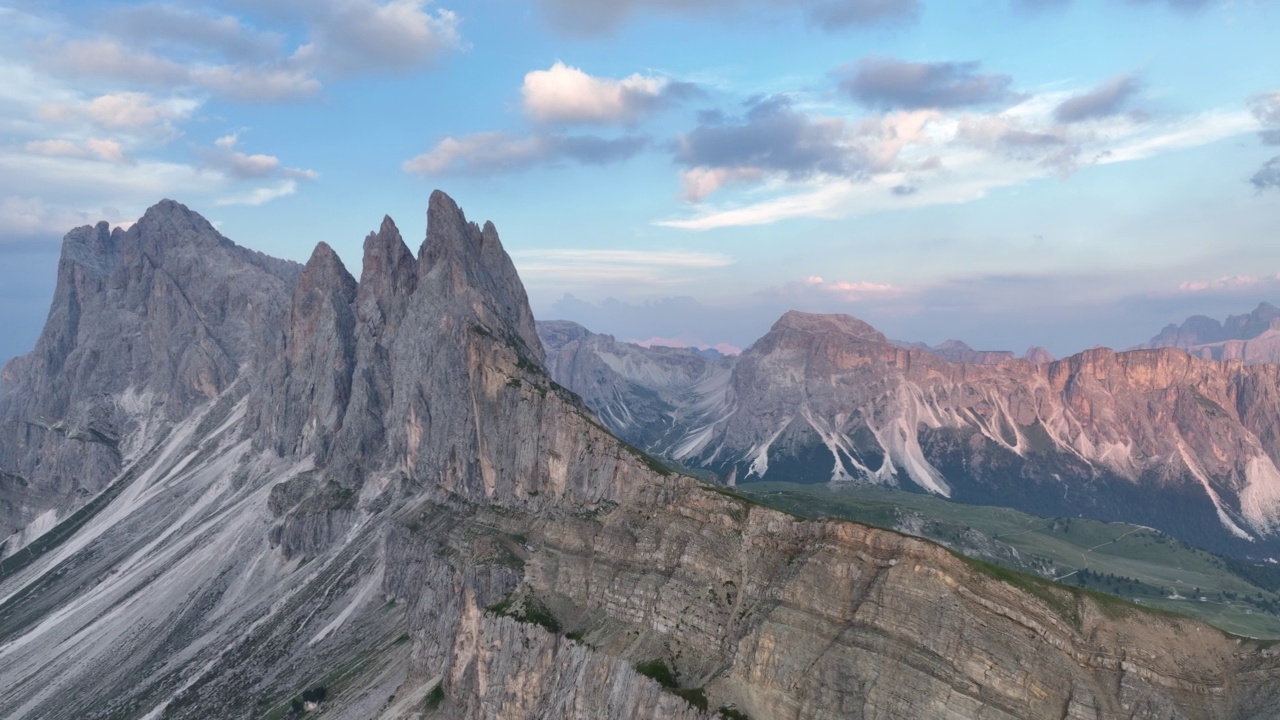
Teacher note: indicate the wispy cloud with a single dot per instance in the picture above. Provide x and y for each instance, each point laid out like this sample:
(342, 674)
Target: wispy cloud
(225, 157)
(848, 290)
(108, 150)
(350, 37)
(261, 195)
(951, 158)
(594, 17)
(580, 266)
(489, 153)
(24, 217)
(1105, 100)
(887, 83)
(123, 110)
(1227, 283)
(773, 139)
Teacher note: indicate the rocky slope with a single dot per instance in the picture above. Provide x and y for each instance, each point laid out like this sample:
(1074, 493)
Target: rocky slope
(635, 391)
(146, 325)
(1154, 437)
(396, 513)
(1252, 338)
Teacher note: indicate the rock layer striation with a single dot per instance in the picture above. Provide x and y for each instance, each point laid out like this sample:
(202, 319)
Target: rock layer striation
(397, 504)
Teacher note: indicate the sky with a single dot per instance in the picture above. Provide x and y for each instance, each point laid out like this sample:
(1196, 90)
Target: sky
(1062, 173)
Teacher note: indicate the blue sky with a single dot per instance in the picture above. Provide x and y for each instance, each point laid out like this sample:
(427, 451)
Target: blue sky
(1008, 172)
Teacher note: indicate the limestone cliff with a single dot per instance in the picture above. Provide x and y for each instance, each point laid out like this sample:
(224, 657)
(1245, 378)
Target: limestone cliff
(431, 527)
(146, 324)
(1155, 437)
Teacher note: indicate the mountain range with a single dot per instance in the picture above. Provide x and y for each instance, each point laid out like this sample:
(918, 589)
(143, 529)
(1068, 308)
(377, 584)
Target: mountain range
(1251, 338)
(238, 487)
(1155, 437)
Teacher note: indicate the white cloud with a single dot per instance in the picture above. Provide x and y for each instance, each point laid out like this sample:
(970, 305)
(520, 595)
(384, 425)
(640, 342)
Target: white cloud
(256, 83)
(485, 149)
(947, 159)
(130, 110)
(106, 58)
(700, 182)
(31, 216)
(169, 25)
(566, 94)
(165, 46)
(1226, 283)
(109, 150)
(261, 195)
(498, 152)
(850, 291)
(354, 36)
(225, 157)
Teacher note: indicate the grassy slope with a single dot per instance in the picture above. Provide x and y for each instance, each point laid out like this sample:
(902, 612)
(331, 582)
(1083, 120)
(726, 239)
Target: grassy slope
(1055, 548)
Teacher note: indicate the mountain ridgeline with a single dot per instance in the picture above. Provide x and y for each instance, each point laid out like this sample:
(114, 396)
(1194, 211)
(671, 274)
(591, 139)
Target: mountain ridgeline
(1252, 338)
(237, 487)
(1155, 437)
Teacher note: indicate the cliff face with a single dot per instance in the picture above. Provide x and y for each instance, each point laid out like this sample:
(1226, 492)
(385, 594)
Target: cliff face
(635, 391)
(145, 325)
(399, 505)
(1154, 437)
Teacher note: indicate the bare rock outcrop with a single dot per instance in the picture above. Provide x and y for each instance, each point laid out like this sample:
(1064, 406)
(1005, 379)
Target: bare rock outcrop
(490, 551)
(1154, 437)
(146, 324)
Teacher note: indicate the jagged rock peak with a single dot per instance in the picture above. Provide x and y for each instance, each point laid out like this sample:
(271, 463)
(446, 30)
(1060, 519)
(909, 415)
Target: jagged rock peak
(323, 276)
(389, 267)
(324, 259)
(817, 323)
(96, 248)
(469, 263)
(1038, 355)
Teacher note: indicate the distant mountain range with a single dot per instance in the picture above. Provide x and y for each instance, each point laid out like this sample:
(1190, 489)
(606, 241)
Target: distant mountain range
(1155, 437)
(958, 351)
(1252, 338)
(238, 487)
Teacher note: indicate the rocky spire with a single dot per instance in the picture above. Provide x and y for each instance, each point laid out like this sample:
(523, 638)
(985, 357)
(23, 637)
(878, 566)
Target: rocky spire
(387, 281)
(467, 263)
(304, 402)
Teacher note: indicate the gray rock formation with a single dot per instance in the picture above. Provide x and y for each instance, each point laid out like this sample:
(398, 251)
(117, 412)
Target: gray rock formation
(636, 392)
(429, 527)
(146, 325)
(1252, 338)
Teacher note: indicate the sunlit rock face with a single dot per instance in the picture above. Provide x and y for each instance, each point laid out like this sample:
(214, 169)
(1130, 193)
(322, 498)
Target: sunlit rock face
(375, 488)
(1155, 437)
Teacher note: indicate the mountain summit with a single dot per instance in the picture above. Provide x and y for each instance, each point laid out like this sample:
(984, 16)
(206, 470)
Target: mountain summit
(1154, 437)
(237, 487)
